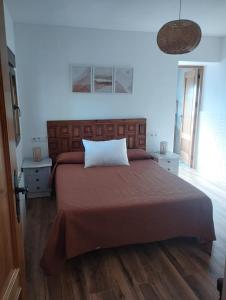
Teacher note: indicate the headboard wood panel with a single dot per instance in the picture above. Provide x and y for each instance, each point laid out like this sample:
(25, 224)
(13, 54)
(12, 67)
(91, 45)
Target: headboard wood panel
(66, 136)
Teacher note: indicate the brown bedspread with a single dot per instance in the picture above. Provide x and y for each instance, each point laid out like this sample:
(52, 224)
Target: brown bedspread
(111, 206)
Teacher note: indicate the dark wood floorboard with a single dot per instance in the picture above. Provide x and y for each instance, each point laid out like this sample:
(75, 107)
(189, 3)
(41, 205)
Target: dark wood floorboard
(174, 269)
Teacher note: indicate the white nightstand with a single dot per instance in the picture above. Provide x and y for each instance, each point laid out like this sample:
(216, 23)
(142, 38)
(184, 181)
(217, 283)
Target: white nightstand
(36, 176)
(168, 161)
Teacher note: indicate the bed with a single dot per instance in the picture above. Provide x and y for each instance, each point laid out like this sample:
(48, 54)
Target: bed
(106, 207)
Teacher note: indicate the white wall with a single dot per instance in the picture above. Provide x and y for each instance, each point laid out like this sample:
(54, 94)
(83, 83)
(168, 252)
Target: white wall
(44, 54)
(9, 27)
(211, 160)
(10, 39)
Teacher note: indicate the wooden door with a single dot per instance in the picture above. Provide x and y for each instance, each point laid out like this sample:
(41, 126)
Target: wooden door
(189, 116)
(12, 275)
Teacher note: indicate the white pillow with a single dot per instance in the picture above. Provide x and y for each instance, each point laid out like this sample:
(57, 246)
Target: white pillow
(105, 153)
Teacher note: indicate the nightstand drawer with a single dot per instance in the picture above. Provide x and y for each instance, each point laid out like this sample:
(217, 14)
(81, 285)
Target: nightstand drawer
(168, 163)
(38, 171)
(37, 184)
(172, 170)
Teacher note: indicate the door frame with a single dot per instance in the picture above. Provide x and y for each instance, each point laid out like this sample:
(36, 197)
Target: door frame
(9, 148)
(198, 101)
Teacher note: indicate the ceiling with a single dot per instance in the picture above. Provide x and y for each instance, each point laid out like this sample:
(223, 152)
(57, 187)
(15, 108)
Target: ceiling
(137, 15)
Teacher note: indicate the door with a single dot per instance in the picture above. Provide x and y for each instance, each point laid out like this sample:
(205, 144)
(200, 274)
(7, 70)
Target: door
(189, 116)
(12, 275)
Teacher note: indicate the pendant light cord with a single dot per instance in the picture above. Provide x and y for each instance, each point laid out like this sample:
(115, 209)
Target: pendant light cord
(180, 10)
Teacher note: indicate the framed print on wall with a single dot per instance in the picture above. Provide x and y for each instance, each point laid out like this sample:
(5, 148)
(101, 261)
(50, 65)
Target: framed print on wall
(81, 79)
(103, 79)
(123, 80)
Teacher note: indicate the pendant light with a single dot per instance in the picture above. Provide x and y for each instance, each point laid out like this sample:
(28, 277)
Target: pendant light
(179, 36)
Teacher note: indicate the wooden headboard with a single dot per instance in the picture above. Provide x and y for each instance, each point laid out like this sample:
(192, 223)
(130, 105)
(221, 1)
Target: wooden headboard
(66, 136)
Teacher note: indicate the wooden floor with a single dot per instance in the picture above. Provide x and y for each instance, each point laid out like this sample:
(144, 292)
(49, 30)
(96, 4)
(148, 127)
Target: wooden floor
(175, 269)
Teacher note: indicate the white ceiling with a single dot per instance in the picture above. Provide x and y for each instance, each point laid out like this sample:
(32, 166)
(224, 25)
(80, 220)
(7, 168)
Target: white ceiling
(138, 15)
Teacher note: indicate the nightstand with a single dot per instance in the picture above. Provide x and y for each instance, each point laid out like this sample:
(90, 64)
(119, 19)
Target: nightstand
(168, 161)
(36, 177)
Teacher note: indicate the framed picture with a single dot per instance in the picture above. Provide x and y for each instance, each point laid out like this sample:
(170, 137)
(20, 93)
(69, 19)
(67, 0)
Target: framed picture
(123, 80)
(81, 79)
(103, 79)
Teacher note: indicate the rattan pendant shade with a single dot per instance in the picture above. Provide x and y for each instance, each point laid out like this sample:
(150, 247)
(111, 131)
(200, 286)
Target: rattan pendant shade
(179, 36)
